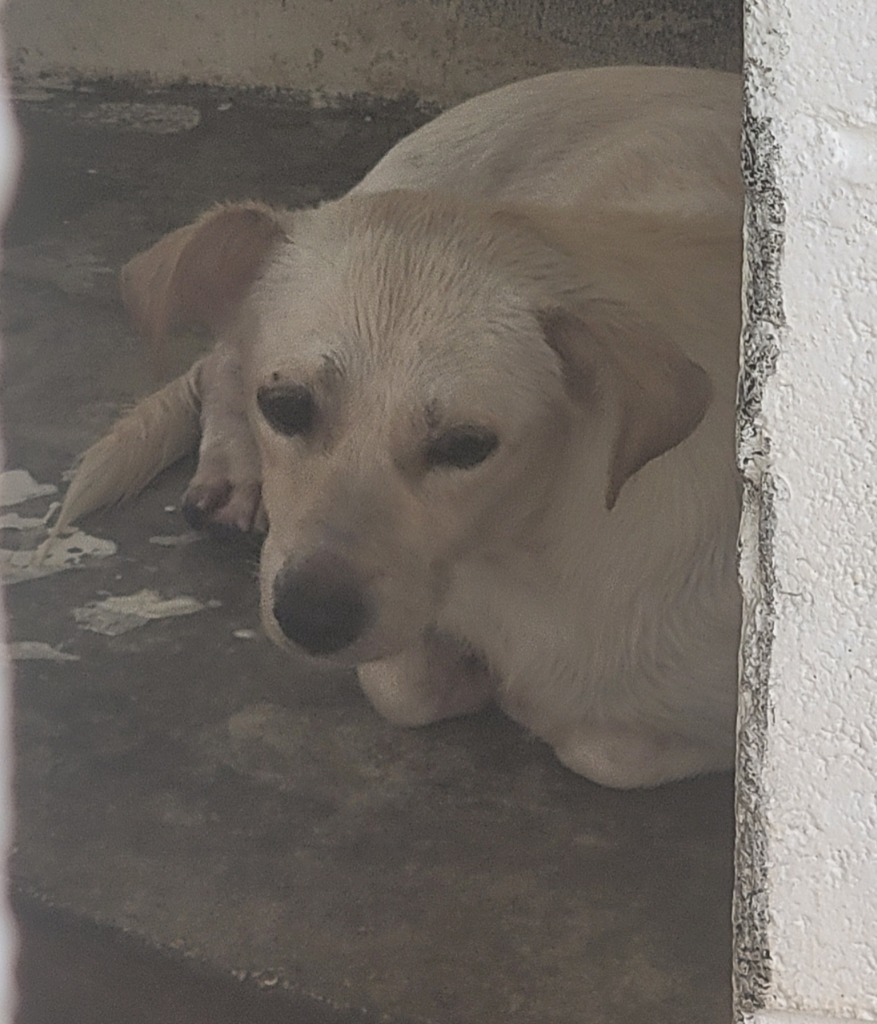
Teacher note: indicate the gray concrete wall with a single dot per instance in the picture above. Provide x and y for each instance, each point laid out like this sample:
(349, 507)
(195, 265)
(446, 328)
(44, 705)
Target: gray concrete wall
(441, 50)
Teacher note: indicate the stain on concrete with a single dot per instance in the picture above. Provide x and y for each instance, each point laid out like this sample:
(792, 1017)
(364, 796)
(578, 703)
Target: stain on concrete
(151, 118)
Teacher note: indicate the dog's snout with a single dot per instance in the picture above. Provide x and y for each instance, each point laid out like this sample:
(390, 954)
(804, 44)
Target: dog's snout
(320, 605)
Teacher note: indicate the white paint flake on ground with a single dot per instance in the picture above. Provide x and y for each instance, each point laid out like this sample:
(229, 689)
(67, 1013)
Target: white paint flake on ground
(36, 650)
(18, 566)
(17, 486)
(116, 615)
(24, 561)
(13, 521)
(176, 540)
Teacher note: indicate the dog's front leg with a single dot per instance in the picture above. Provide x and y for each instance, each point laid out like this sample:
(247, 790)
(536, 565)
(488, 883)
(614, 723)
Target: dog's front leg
(226, 489)
(438, 678)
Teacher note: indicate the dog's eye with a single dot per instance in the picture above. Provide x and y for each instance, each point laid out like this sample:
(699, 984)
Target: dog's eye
(461, 448)
(289, 409)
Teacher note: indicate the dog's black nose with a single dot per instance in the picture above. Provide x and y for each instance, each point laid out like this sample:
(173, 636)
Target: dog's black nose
(319, 604)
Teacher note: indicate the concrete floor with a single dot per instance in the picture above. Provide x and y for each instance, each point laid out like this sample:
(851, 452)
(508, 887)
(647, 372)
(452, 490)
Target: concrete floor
(185, 783)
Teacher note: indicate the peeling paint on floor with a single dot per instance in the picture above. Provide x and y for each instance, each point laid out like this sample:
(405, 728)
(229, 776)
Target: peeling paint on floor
(20, 566)
(14, 521)
(116, 615)
(17, 486)
(36, 650)
(176, 540)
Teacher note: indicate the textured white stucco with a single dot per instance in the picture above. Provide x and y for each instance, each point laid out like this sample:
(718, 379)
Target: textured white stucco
(813, 92)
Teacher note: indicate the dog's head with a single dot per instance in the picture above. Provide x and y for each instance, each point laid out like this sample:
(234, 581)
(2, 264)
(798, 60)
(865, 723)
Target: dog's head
(417, 372)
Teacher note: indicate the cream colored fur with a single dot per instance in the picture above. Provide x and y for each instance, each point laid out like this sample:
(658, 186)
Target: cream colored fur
(157, 432)
(555, 265)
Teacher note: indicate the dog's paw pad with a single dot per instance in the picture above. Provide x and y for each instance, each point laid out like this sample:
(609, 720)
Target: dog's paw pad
(224, 507)
(201, 502)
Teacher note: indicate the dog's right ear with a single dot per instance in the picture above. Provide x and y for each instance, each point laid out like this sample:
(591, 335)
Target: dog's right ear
(197, 275)
(660, 395)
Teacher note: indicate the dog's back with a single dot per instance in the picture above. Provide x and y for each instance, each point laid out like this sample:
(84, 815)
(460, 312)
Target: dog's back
(645, 138)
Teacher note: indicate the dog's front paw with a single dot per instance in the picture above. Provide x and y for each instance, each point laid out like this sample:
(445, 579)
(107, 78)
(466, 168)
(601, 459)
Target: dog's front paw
(225, 494)
(222, 504)
(436, 679)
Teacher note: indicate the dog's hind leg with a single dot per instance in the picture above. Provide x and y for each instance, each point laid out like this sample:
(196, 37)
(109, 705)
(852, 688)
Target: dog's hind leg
(225, 491)
(438, 678)
(631, 757)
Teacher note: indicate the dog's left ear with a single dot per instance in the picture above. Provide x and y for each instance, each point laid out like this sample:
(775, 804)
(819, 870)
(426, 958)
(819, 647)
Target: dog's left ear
(661, 394)
(198, 274)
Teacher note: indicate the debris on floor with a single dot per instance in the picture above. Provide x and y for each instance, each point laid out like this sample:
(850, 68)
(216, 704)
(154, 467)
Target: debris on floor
(116, 615)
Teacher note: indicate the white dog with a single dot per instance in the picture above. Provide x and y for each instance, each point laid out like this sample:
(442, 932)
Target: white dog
(484, 406)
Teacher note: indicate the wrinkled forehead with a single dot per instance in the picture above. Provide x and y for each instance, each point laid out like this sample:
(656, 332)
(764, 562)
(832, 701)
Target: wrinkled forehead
(430, 332)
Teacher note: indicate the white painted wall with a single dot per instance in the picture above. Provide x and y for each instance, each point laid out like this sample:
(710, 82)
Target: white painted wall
(807, 904)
